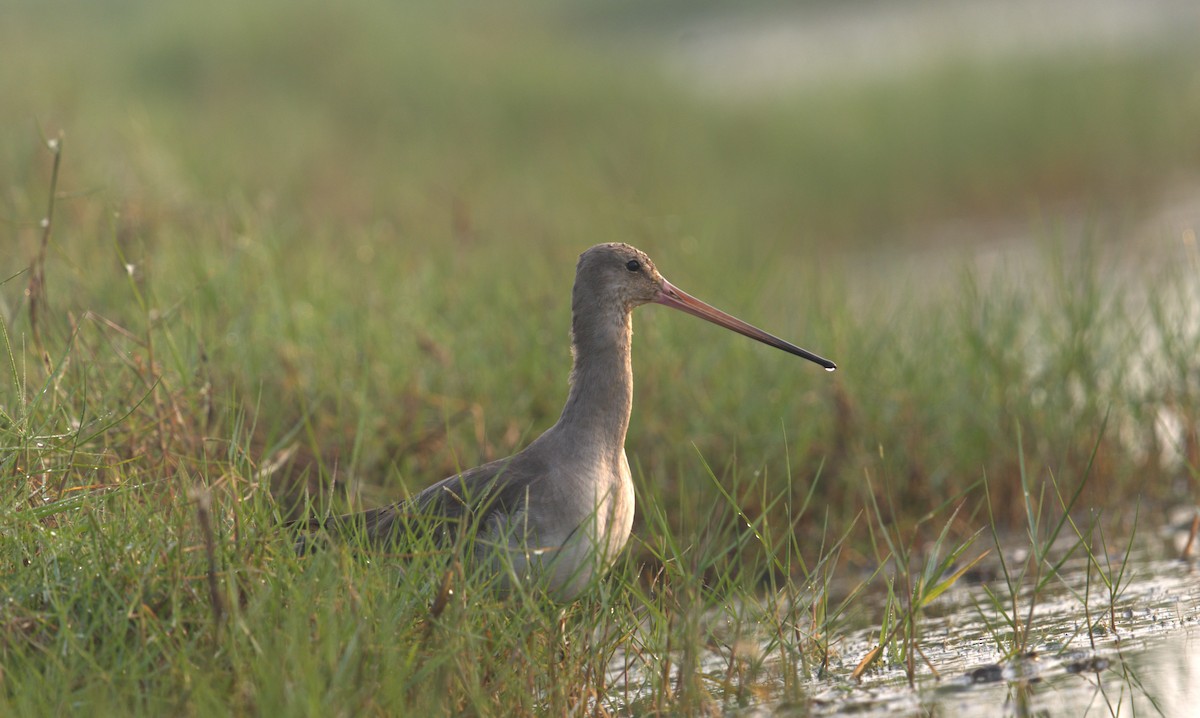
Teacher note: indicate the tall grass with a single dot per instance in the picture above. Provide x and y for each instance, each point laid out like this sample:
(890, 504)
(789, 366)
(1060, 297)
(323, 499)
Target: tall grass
(265, 278)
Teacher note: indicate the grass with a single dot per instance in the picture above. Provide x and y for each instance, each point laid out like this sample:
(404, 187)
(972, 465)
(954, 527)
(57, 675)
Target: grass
(272, 266)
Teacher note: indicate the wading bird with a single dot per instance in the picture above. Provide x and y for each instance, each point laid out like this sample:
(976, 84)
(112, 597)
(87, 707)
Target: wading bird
(561, 510)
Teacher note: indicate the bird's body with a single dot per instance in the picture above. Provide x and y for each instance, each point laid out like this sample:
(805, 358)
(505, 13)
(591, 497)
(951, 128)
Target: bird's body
(560, 510)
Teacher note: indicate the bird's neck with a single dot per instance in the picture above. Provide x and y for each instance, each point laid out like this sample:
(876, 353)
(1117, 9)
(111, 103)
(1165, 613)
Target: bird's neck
(597, 411)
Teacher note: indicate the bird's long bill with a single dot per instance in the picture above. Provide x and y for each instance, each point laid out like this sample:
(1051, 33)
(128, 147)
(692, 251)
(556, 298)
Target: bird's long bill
(672, 296)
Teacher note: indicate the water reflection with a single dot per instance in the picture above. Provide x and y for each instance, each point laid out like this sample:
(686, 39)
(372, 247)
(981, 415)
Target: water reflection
(1167, 674)
(1161, 676)
(1146, 662)
(1141, 656)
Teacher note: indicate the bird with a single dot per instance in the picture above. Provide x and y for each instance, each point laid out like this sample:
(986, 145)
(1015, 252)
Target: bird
(559, 512)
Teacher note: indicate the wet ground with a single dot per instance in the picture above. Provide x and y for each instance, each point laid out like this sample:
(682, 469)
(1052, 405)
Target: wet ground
(1145, 662)
(1135, 654)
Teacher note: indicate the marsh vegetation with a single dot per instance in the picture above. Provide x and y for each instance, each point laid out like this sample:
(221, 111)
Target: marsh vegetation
(304, 258)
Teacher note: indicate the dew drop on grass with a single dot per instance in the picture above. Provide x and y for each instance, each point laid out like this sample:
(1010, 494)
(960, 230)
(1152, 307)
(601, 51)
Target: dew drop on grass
(45, 222)
(830, 368)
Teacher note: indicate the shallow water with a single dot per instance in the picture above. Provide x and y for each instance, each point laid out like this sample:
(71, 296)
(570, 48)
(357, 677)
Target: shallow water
(752, 51)
(1143, 658)
(1147, 661)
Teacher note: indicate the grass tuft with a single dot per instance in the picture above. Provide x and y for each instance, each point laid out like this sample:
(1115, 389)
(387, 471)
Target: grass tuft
(271, 280)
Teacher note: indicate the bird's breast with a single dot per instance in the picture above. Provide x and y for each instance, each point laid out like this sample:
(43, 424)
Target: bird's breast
(573, 529)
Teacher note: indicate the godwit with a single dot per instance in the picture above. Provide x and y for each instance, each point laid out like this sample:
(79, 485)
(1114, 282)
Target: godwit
(560, 510)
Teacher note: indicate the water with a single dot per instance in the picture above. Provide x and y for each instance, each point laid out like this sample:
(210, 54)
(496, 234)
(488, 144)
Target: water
(1146, 661)
(1141, 658)
(768, 49)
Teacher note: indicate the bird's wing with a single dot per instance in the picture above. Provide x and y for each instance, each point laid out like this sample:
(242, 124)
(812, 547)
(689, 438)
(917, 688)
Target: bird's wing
(455, 503)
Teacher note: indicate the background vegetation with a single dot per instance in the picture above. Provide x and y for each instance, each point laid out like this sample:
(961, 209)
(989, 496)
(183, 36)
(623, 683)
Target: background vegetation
(303, 246)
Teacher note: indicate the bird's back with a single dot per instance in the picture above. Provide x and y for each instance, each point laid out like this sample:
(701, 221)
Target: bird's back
(536, 516)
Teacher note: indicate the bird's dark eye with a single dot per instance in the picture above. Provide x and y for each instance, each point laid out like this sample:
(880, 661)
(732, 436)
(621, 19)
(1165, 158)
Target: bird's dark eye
(633, 265)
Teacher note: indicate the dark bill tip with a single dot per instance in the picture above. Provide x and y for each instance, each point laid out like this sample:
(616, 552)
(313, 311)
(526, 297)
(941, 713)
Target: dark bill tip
(676, 298)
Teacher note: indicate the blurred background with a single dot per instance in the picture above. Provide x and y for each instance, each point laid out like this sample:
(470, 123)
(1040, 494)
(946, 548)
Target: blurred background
(356, 223)
(827, 123)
